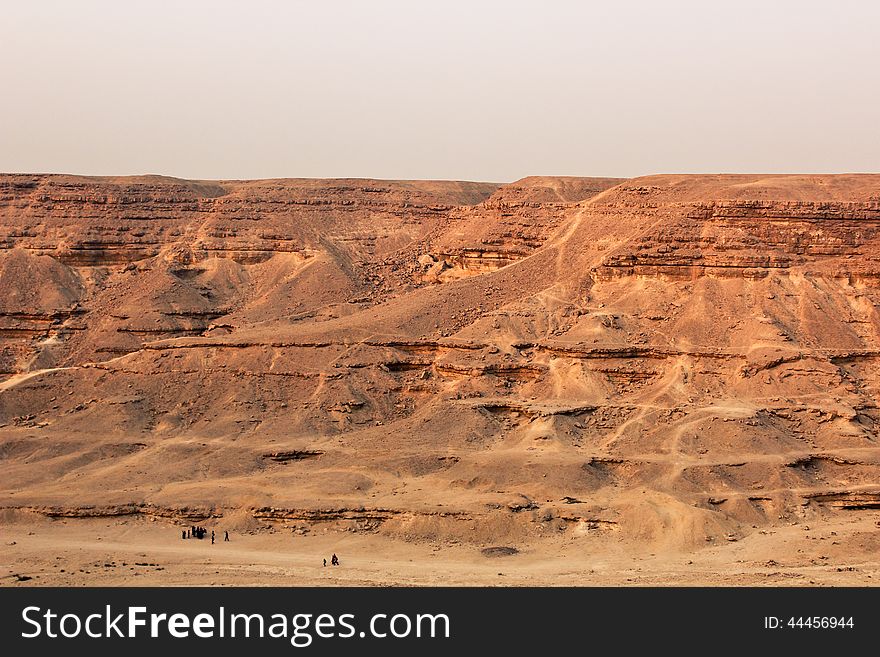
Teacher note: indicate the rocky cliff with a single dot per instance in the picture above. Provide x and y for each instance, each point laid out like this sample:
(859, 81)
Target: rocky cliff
(671, 360)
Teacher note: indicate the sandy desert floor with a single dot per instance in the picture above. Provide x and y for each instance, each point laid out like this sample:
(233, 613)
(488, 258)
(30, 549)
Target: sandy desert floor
(139, 552)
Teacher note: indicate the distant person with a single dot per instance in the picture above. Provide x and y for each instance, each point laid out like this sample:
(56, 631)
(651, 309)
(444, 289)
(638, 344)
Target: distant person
(183, 534)
(225, 537)
(325, 562)
(334, 560)
(212, 537)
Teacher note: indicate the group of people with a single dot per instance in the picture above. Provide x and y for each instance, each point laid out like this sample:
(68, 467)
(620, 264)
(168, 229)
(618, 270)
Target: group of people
(200, 532)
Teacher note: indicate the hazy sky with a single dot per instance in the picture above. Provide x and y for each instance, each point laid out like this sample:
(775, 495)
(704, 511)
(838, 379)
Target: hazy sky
(466, 90)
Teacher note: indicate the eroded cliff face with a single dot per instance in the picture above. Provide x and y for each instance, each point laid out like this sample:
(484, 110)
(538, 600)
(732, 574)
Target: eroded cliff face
(93, 268)
(672, 360)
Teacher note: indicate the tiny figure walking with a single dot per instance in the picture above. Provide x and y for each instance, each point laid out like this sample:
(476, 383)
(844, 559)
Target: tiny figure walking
(225, 536)
(334, 560)
(212, 537)
(325, 562)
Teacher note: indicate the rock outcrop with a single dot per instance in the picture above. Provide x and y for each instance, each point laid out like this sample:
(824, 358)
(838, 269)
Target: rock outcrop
(666, 359)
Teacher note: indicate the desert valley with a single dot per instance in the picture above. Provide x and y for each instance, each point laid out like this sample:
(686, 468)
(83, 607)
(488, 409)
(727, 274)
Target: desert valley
(663, 380)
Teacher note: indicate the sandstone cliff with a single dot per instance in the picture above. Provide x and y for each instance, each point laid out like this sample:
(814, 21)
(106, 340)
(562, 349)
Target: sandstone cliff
(670, 359)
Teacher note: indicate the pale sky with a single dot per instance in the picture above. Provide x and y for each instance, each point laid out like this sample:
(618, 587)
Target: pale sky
(446, 89)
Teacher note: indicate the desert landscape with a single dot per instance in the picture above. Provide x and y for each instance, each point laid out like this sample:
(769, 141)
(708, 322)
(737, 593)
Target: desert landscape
(665, 380)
